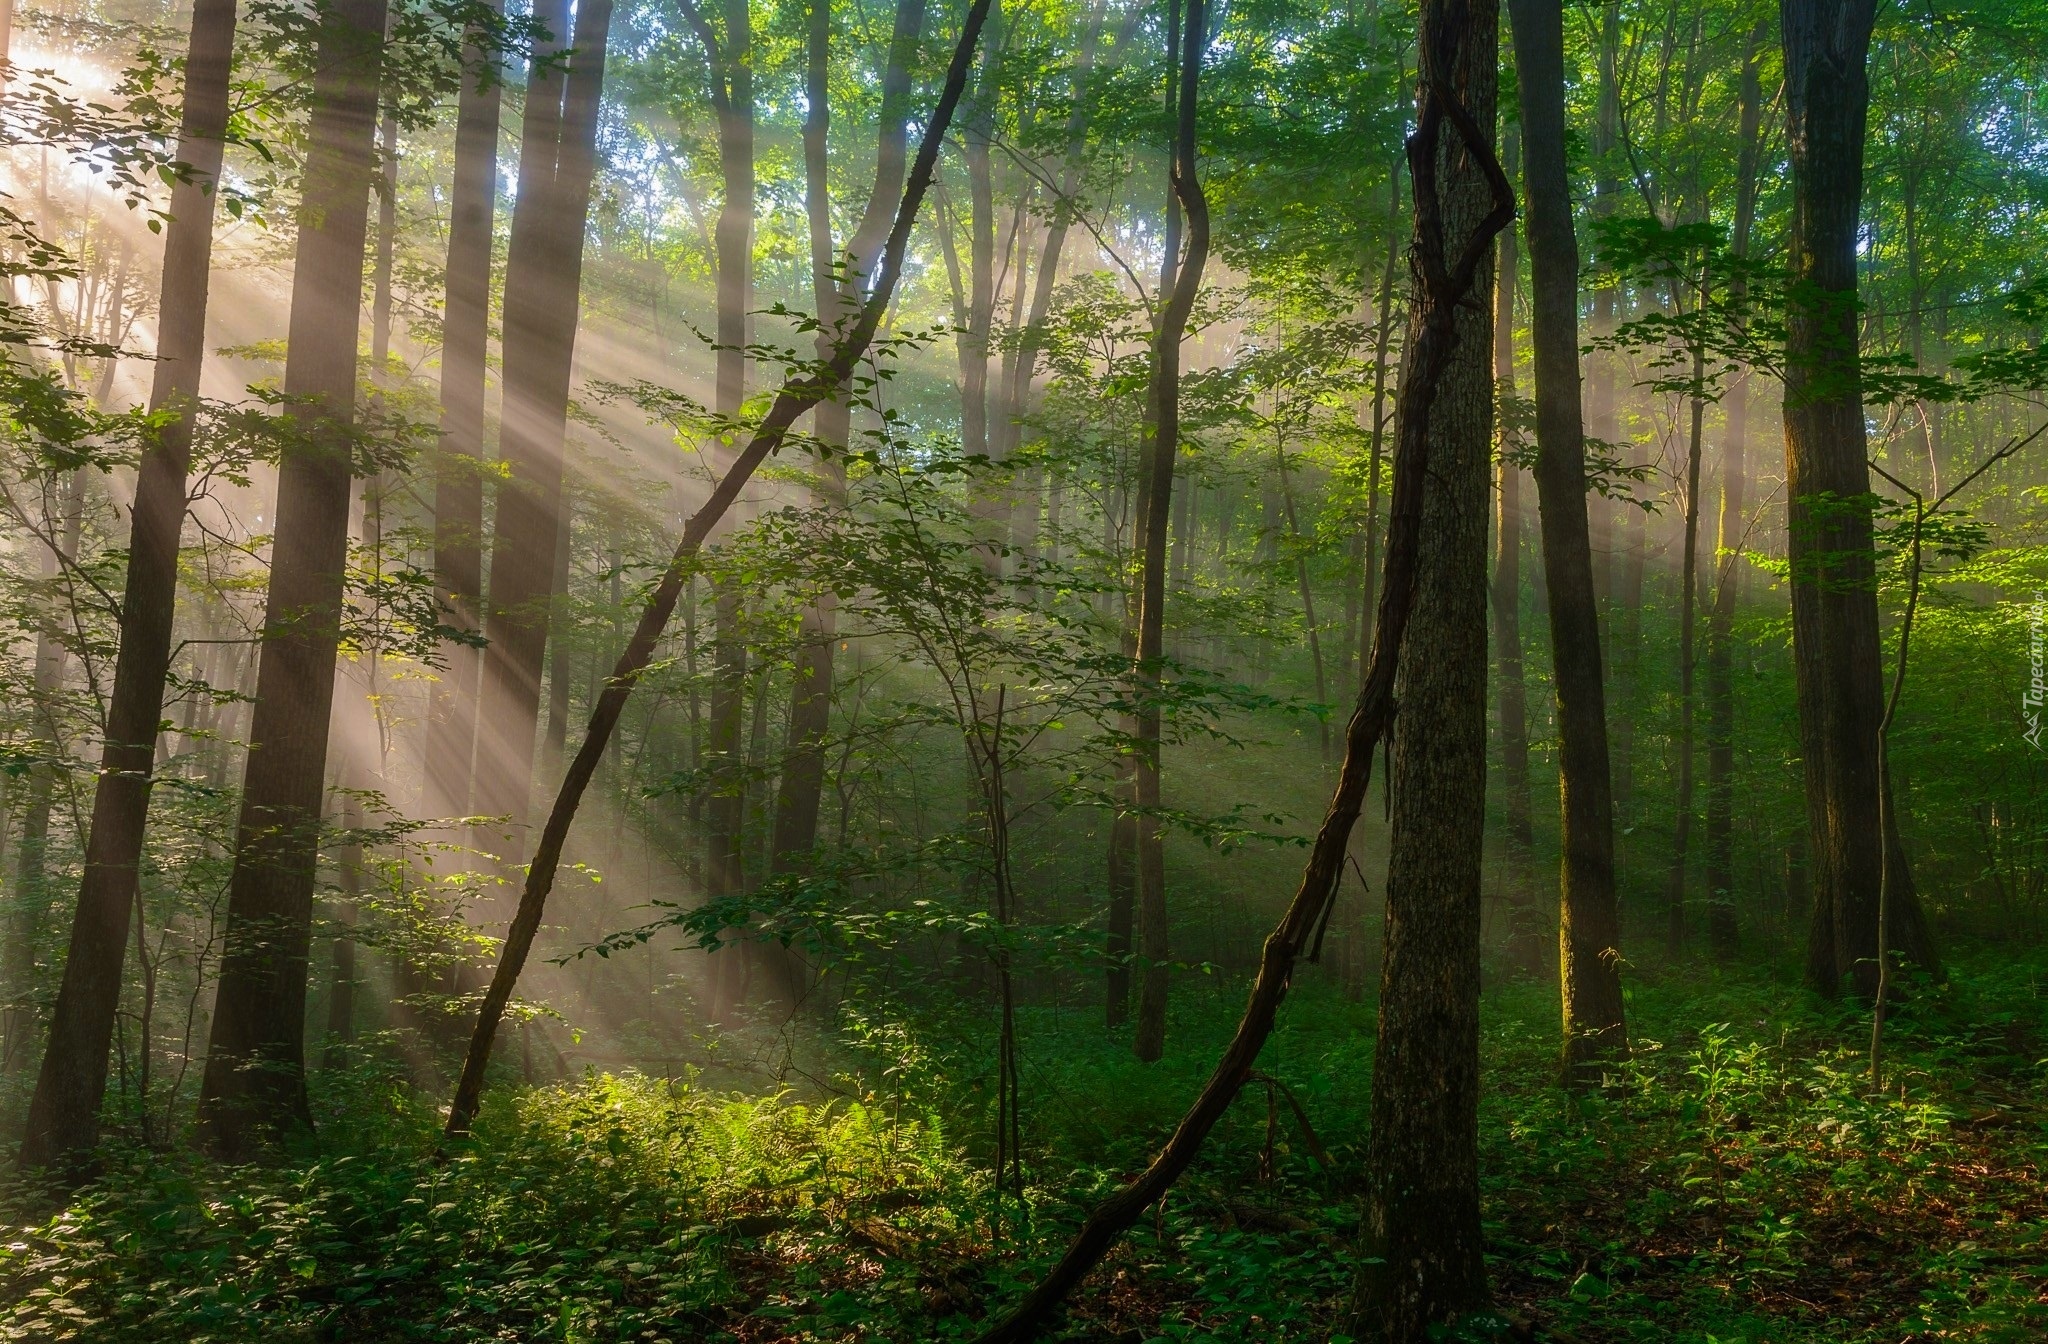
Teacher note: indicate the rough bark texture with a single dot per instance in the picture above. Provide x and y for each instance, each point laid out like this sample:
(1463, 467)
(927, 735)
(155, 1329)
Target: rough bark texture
(1836, 649)
(254, 1085)
(543, 283)
(64, 1113)
(1427, 1265)
(458, 470)
(1589, 931)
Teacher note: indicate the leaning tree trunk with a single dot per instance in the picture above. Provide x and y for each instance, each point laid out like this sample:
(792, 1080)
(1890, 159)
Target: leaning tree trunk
(543, 282)
(1427, 1265)
(1589, 929)
(458, 468)
(64, 1114)
(1525, 936)
(254, 1085)
(1836, 648)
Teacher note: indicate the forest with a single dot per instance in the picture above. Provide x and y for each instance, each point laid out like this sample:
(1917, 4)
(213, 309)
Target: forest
(1001, 670)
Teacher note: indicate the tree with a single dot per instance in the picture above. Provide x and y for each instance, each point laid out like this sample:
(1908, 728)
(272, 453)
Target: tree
(254, 1084)
(1834, 600)
(459, 468)
(1427, 1265)
(1155, 500)
(1589, 926)
(64, 1112)
(543, 284)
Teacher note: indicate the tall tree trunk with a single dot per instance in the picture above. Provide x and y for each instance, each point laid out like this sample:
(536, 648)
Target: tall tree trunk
(1836, 648)
(458, 467)
(254, 1084)
(1589, 932)
(801, 789)
(1155, 503)
(1423, 1233)
(341, 993)
(1720, 873)
(560, 674)
(1525, 935)
(543, 282)
(63, 1118)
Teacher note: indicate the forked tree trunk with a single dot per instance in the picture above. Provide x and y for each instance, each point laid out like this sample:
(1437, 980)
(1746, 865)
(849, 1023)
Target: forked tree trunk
(1836, 648)
(1427, 1264)
(543, 282)
(458, 468)
(64, 1114)
(254, 1085)
(1589, 930)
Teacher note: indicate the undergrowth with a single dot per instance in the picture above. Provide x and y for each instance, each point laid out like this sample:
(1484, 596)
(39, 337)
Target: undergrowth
(1737, 1180)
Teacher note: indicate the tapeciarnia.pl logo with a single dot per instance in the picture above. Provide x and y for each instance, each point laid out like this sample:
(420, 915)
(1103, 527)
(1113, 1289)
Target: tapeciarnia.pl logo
(2037, 647)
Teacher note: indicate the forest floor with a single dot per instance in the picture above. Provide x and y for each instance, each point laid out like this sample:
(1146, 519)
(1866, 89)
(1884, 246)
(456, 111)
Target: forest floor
(1738, 1181)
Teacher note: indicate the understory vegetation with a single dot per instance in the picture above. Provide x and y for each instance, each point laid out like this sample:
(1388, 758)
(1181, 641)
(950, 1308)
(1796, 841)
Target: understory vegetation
(1736, 1180)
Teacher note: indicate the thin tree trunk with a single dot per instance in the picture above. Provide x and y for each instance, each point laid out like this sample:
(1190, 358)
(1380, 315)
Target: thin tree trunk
(1427, 1266)
(341, 993)
(543, 282)
(1383, 317)
(458, 468)
(1688, 620)
(1525, 936)
(254, 1085)
(1836, 648)
(63, 521)
(1589, 932)
(1155, 503)
(64, 1114)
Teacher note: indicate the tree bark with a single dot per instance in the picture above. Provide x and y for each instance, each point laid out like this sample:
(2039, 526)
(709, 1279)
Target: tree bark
(543, 281)
(254, 1085)
(1589, 958)
(1836, 647)
(63, 1119)
(1688, 621)
(1427, 1265)
(458, 468)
